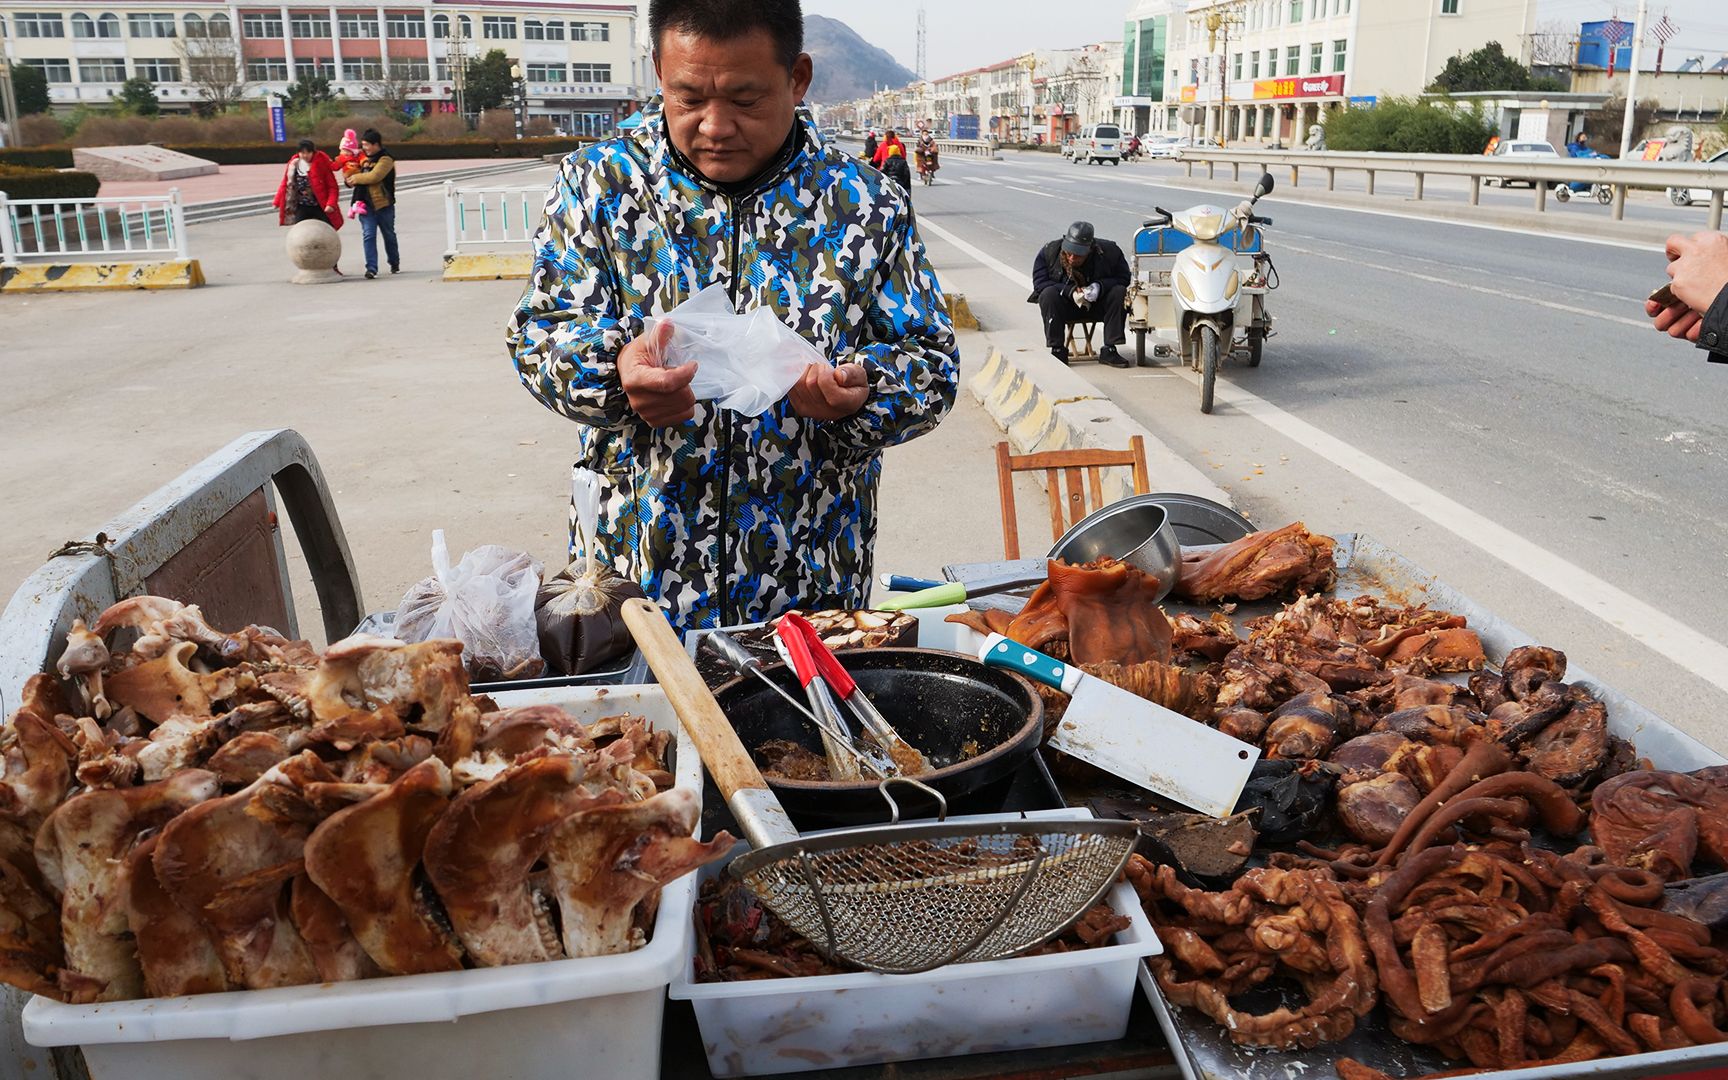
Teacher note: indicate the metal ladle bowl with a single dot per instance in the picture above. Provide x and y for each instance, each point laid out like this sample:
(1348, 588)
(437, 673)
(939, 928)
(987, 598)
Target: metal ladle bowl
(1131, 531)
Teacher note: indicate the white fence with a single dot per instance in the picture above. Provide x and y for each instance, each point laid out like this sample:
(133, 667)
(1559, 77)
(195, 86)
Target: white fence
(1542, 174)
(151, 227)
(490, 218)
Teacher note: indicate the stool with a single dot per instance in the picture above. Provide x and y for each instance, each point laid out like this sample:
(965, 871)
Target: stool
(1080, 336)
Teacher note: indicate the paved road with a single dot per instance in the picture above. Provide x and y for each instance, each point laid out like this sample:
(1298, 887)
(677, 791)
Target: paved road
(1488, 402)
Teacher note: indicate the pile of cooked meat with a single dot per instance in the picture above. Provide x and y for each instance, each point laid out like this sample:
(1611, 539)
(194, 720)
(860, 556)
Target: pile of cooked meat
(738, 940)
(1470, 848)
(202, 811)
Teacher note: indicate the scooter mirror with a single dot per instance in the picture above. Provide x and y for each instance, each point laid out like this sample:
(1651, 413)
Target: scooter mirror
(1264, 187)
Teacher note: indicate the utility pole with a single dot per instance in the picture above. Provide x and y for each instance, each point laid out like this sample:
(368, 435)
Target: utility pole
(1632, 78)
(1221, 19)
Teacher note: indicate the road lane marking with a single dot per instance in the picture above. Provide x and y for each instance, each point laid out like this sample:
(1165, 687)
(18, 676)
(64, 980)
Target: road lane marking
(1500, 274)
(1029, 191)
(1656, 629)
(983, 180)
(1642, 324)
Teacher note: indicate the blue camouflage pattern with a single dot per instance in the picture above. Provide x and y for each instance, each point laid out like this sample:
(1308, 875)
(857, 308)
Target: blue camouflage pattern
(727, 518)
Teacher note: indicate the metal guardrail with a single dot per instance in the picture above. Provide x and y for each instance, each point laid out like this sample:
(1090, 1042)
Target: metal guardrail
(1620, 176)
(147, 226)
(979, 148)
(491, 217)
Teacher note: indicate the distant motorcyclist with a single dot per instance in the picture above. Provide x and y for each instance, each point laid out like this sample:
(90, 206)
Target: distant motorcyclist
(870, 145)
(1081, 278)
(928, 154)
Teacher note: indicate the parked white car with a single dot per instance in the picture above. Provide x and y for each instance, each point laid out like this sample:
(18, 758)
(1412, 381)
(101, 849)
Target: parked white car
(1166, 146)
(1688, 196)
(1521, 151)
(1100, 142)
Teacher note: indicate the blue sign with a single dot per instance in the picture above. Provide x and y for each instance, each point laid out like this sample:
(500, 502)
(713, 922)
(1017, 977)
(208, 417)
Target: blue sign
(278, 124)
(1366, 101)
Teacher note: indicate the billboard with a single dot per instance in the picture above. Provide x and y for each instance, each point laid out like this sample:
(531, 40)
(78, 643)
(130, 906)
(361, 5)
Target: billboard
(1300, 87)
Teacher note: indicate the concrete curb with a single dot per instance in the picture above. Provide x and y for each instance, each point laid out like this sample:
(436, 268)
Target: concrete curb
(960, 312)
(489, 266)
(81, 277)
(1044, 405)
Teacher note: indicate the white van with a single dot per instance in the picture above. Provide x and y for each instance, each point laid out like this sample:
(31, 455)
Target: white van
(1100, 142)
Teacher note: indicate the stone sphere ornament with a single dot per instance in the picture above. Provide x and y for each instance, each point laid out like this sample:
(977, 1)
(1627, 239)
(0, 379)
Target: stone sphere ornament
(314, 248)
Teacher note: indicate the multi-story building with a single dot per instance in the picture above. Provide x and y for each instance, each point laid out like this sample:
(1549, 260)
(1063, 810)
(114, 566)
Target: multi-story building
(1265, 71)
(1145, 44)
(581, 63)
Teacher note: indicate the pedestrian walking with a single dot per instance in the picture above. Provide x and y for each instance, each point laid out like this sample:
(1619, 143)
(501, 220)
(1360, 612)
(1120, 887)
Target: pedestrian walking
(726, 517)
(870, 145)
(1081, 278)
(308, 189)
(889, 138)
(374, 185)
(895, 168)
(1698, 267)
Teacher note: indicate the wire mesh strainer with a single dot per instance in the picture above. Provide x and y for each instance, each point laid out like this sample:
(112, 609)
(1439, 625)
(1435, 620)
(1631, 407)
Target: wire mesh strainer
(901, 898)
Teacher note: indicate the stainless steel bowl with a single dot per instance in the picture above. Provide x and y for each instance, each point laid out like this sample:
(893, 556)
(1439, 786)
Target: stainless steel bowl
(1133, 531)
(1198, 521)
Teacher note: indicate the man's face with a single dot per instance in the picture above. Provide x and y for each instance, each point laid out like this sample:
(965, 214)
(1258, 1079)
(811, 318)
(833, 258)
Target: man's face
(1071, 260)
(368, 147)
(728, 104)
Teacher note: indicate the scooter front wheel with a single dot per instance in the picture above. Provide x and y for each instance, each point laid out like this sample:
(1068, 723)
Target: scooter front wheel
(1208, 366)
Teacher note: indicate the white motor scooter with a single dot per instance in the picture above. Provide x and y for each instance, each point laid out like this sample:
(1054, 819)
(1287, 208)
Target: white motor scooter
(1202, 304)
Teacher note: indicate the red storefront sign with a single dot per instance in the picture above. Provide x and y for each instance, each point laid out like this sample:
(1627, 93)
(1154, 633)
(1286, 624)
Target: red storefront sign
(1300, 87)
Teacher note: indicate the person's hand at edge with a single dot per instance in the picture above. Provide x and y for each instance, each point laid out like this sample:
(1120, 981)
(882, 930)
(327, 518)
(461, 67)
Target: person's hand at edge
(830, 393)
(658, 394)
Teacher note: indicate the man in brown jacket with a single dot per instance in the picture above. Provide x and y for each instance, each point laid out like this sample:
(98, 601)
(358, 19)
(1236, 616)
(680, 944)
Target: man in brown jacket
(375, 189)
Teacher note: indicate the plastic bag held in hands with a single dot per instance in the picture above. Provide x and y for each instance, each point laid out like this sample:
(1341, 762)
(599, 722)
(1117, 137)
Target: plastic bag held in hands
(486, 602)
(745, 363)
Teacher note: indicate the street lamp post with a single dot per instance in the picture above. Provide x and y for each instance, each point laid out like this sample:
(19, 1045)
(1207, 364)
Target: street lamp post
(519, 93)
(1222, 19)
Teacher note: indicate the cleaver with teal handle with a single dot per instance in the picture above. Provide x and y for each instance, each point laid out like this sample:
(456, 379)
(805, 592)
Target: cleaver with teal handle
(1138, 740)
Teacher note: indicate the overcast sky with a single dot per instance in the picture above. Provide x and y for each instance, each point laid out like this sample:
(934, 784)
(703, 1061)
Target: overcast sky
(971, 33)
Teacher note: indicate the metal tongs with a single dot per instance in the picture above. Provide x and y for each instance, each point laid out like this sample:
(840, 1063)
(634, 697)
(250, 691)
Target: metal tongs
(835, 736)
(903, 756)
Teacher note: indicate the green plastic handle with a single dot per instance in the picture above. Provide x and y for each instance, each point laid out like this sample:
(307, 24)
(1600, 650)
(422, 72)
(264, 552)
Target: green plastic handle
(954, 592)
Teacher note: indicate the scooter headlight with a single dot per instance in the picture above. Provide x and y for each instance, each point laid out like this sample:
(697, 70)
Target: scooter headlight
(1206, 227)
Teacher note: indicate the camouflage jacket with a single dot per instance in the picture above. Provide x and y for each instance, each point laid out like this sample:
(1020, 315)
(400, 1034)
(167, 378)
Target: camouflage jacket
(729, 518)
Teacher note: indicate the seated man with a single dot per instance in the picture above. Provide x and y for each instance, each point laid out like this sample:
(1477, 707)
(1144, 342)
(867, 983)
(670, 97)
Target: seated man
(1081, 278)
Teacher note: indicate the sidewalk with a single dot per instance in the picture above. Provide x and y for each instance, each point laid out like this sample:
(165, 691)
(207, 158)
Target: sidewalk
(404, 391)
(238, 181)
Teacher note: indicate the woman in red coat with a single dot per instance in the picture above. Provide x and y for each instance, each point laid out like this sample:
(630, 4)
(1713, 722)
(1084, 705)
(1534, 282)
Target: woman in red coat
(308, 189)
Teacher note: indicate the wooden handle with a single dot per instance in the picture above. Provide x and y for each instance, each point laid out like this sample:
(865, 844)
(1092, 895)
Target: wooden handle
(727, 760)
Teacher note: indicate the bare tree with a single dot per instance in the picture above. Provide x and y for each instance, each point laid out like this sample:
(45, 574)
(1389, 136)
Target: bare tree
(1552, 45)
(213, 64)
(394, 82)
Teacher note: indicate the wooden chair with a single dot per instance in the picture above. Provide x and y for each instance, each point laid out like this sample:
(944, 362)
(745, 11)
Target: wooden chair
(1079, 469)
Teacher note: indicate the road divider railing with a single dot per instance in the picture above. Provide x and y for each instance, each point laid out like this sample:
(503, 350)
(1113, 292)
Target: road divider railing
(1542, 174)
(60, 244)
(974, 148)
(489, 231)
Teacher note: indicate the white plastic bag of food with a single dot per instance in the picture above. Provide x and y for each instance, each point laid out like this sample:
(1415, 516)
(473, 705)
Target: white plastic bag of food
(486, 602)
(743, 362)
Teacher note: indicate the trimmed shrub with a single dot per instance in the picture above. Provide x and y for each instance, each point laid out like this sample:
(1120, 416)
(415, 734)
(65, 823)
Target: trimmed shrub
(40, 129)
(539, 127)
(444, 127)
(236, 129)
(177, 129)
(112, 131)
(329, 131)
(496, 124)
(37, 157)
(269, 153)
(1407, 126)
(22, 182)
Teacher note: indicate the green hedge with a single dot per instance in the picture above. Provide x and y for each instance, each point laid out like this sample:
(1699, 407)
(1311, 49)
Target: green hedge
(38, 157)
(21, 182)
(1406, 126)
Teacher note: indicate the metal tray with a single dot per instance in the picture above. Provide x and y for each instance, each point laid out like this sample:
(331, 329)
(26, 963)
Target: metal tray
(1201, 1049)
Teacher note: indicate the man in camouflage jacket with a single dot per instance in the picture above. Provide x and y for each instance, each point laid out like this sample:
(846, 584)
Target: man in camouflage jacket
(728, 518)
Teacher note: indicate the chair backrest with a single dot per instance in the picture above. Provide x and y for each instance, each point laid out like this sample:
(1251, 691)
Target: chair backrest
(1072, 481)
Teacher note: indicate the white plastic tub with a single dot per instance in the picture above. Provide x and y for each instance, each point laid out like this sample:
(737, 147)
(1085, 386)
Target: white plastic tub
(833, 1021)
(595, 1018)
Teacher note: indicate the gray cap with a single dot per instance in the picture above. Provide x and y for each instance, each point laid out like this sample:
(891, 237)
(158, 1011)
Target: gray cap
(1079, 238)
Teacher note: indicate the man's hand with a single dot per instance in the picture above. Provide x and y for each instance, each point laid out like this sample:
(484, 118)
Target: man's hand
(331, 209)
(1079, 297)
(1699, 268)
(1676, 320)
(658, 394)
(830, 393)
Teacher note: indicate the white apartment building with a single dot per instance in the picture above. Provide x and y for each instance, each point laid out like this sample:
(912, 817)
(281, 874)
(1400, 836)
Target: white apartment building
(1263, 71)
(581, 62)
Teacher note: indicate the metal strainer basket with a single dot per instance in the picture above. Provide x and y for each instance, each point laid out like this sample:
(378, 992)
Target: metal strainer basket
(899, 898)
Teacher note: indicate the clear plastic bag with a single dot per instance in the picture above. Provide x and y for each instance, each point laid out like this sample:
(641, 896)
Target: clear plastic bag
(745, 363)
(486, 602)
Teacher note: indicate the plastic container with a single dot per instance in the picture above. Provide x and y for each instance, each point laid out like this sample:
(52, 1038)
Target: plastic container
(776, 1026)
(596, 1018)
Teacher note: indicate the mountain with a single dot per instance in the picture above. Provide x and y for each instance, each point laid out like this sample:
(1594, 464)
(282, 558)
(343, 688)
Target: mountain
(847, 66)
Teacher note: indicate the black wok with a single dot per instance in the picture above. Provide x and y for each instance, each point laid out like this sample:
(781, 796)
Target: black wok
(978, 725)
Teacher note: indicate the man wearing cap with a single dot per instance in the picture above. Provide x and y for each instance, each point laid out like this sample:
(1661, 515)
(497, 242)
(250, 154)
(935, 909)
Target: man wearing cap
(1080, 278)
